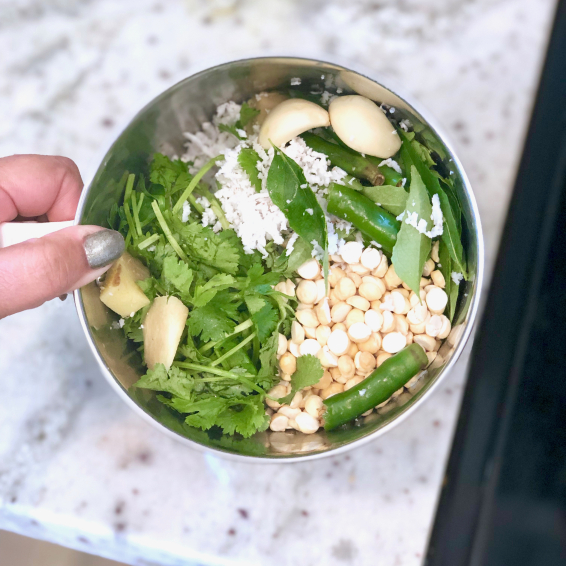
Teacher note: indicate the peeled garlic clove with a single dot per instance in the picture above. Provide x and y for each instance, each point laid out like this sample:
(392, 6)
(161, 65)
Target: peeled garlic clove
(289, 119)
(361, 125)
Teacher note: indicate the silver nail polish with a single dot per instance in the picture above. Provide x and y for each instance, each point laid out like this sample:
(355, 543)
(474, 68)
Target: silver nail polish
(103, 247)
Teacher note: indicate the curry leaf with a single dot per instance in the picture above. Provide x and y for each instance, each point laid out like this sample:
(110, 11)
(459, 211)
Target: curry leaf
(413, 247)
(290, 191)
(453, 299)
(450, 234)
(389, 197)
(445, 267)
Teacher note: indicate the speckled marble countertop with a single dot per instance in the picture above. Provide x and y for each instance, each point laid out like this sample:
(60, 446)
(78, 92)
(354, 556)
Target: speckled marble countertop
(76, 465)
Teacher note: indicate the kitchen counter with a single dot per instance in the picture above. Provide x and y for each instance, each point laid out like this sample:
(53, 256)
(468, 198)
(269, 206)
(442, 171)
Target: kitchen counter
(77, 467)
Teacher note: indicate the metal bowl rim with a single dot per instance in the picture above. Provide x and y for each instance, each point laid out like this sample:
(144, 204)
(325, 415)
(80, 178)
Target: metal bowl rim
(472, 313)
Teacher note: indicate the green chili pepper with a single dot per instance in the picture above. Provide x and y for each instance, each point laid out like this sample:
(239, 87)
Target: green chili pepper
(392, 374)
(372, 220)
(347, 159)
(390, 176)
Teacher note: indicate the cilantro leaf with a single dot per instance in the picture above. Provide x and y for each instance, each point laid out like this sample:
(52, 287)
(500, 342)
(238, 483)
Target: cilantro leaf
(206, 292)
(248, 158)
(176, 381)
(211, 322)
(238, 362)
(190, 351)
(149, 287)
(255, 303)
(132, 325)
(172, 175)
(178, 274)
(244, 415)
(230, 303)
(265, 321)
(258, 281)
(246, 418)
(268, 362)
(247, 114)
(231, 130)
(302, 252)
(245, 260)
(204, 412)
(309, 371)
(203, 245)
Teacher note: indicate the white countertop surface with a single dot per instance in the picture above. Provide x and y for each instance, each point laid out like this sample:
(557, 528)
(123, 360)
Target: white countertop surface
(77, 467)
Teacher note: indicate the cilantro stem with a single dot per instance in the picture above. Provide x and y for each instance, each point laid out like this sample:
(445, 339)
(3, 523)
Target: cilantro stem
(175, 245)
(123, 180)
(252, 385)
(147, 242)
(129, 186)
(216, 208)
(194, 182)
(206, 369)
(136, 215)
(222, 373)
(233, 350)
(240, 328)
(142, 196)
(131, 225)
(193, 202)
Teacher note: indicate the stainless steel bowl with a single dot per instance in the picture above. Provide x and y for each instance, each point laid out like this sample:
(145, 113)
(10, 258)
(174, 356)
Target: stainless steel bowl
(159, 127)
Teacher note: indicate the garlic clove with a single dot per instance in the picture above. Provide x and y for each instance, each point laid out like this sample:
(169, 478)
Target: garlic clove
(289, 119)
(361, 125)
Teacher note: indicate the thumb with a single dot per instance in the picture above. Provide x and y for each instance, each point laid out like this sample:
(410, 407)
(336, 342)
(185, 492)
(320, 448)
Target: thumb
(44, 268)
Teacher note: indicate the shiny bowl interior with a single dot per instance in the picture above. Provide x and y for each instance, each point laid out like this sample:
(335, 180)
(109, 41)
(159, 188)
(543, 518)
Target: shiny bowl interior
(159, 127)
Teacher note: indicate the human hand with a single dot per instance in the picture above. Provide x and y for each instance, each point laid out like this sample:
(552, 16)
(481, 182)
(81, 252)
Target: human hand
(48, 188)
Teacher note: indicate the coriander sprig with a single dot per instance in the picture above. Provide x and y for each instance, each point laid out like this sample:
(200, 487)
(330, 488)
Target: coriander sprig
(194, 182)
(174, 244)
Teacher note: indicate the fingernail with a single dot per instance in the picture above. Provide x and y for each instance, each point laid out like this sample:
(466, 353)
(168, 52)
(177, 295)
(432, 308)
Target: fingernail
(103, 247)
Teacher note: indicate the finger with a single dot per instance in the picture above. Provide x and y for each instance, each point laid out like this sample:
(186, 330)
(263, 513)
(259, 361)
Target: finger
(31, 185)
(44, 268)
